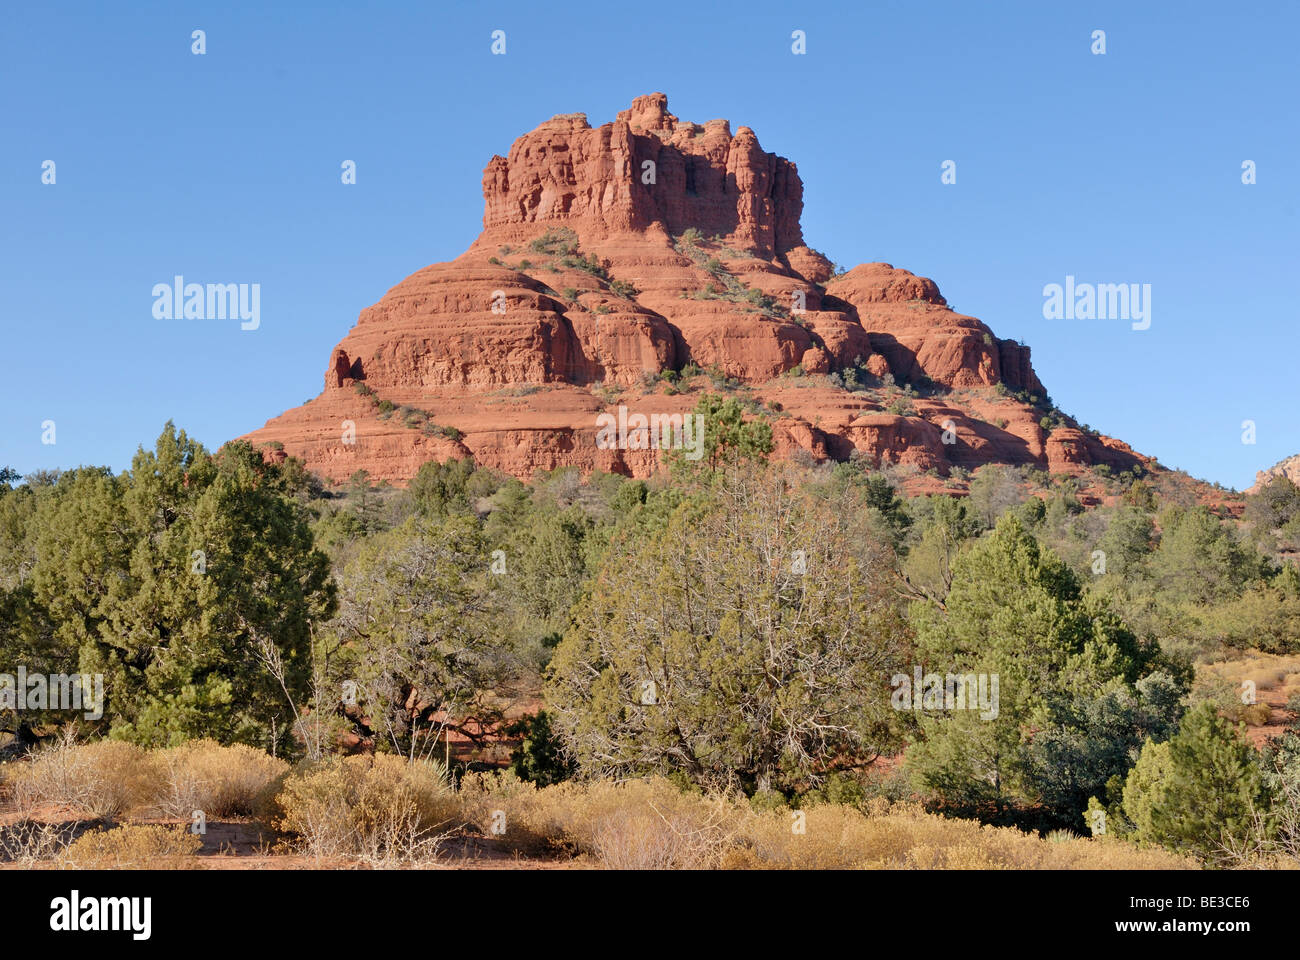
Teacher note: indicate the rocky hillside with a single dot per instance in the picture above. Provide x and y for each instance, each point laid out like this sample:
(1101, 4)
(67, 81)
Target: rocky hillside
(642, 262)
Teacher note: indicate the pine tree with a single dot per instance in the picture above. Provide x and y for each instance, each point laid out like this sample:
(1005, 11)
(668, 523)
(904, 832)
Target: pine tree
(1071, 710)
(1200, 790)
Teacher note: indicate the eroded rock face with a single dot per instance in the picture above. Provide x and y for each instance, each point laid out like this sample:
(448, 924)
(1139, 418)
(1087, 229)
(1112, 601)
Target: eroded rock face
(910, 324)
(611, 254)
(1288, 468)
(647, 167)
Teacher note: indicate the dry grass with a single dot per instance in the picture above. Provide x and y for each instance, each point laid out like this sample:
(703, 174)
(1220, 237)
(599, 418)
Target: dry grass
(643, 824)
(383, 811)
(903, 836)
(1224, 684)
(1266, 670)
(650, 824)
(107, 779)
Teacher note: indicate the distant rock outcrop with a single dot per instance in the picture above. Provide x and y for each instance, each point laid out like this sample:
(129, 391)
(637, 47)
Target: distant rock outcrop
(1289, 468)
(611, 255)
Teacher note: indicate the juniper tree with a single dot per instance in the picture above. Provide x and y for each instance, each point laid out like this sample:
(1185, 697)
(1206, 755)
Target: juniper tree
(170, 579)
(748, 639)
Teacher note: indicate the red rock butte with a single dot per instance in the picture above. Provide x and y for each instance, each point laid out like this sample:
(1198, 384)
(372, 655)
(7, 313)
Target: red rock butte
(611, 255)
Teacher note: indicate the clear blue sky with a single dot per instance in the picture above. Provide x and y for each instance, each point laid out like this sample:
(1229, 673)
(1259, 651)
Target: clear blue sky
(225, 167)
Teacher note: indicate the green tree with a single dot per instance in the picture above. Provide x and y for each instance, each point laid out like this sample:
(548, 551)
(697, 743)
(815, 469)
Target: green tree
(994, 490)
(1201, 559)
(550, 563)
(1067, 669)
(180, 581)
(1144, 790)
(1200, 791)
(438, 489)
(751, 637)
(540, 756)
(879, 494)
(1127, 541)
(420, 635)
(942, 527)
(728, 437)
(1274, 514)
(364, 502)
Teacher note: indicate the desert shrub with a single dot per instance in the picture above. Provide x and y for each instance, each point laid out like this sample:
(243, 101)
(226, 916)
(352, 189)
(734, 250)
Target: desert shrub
(636, 824)
(624, 289)
(377, 809)
(492, 801)
(688, 838)
(588, 264)
(1272, 839)
(654, 824)
(1251, 714)
(232, 781)
(838, 787)
(556, 241)
(1256, 714)
(100, 780)
(886, 836)
(900, 407)
(27, 842)
(134, 847)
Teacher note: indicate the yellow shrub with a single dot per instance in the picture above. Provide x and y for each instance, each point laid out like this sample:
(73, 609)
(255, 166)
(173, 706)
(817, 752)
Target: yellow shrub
(101, 780)
(221, 781)
(1257, 714)
(905, 836)
(639, 824)
(379, 809)
(136, 847)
